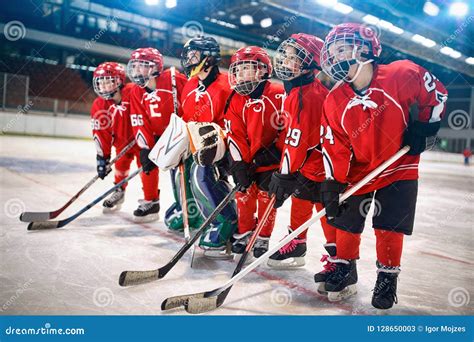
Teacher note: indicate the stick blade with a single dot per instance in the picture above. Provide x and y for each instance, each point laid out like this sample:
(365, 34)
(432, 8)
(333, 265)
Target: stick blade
(201, 305)
(128, 278)
(210, 301)
(177, 301)
(43, 225)
(29, 216)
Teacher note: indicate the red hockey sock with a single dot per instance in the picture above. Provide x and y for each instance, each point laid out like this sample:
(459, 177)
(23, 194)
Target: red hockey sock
(347, 245)
(122, 167)
(389, 247)
(301, 211)
(150, 185)
(246, 209)
(329, 231)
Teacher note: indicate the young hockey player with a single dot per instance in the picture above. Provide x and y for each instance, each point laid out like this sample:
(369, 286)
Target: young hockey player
(203, 100)
(252, 122)
(151, 105)
(302, 170)
(111, 126)
(373, 111)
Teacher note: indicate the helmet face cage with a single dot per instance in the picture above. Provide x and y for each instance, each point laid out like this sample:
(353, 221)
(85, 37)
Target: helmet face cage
(291, 59)
(191, 58)
(343, 50)
(245, 76)
(140, 71)
(106, 86)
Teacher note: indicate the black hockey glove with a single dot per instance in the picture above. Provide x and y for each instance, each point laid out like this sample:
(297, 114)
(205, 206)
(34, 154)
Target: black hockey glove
(307, 189)
(330, 190)
(282, 186)
(103, 167)
(267, 156)
(242, 173)
(147, 164)
(416, 134)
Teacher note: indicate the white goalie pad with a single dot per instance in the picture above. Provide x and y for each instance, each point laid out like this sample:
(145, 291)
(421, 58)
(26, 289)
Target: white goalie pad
(207, 142)
(173, 146)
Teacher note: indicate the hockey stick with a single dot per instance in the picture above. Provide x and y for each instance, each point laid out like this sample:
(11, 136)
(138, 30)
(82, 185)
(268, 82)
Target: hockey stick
(174, 302)
(211, 300)
(30, 216)
(184, 203)
(139, 277)
(38, 225)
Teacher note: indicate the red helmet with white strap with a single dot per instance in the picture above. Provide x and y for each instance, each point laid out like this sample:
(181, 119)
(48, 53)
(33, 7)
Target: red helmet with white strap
(144, 64)
(108, 78)
(296, 54)
(249, 66)
(346, 45)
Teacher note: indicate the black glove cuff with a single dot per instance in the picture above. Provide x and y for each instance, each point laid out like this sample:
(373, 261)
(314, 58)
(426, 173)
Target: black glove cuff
(331, 185)
(267, 156)
(426, 129)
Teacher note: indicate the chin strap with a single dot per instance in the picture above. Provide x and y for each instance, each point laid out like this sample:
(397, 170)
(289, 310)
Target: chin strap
(197, 69)
(360, 64)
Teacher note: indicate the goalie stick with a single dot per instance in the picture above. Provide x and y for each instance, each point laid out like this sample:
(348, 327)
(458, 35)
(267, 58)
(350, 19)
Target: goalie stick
(37, 225)
(128, 278)
(184, 203)
(210, 300)
(31, 216)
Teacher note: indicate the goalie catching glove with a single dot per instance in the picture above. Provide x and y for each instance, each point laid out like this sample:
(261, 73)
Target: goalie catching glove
(207, 142)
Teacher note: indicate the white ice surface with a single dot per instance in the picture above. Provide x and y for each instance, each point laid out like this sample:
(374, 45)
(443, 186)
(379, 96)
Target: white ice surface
(74, 270)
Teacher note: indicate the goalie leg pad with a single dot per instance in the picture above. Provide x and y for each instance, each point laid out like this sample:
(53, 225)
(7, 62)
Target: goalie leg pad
(208, 192)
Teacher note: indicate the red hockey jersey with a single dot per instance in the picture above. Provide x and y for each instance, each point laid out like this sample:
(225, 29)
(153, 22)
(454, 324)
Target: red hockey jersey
(254, 123)
(363, 131)
(111, 123)
(150, 111)
(203, 104)
(301, 152)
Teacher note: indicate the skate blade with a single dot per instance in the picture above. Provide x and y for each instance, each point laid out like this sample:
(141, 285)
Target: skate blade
(341, 295)
(286, 264)
(146, 219)
(107, 210)
(218, 255)
(250, 258)
(321, 289)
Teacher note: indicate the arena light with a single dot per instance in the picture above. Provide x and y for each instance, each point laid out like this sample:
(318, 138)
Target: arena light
(246, 19)
(327, 3)
(431, 9)
(428, 43)
(396, 30)
(343, 8)
(267, 22)
(470, 60)
(385, 24)
(423, 40)
(171, 3)
(418, 38)
(152, 2)
(446, 50)
(458, 9)
(455, 54)
(370, 19)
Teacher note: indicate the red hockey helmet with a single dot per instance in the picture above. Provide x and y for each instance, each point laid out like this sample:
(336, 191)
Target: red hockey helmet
(346, 45)
(298, 53)
(249, 66)
(144, 64)
(108, 78)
